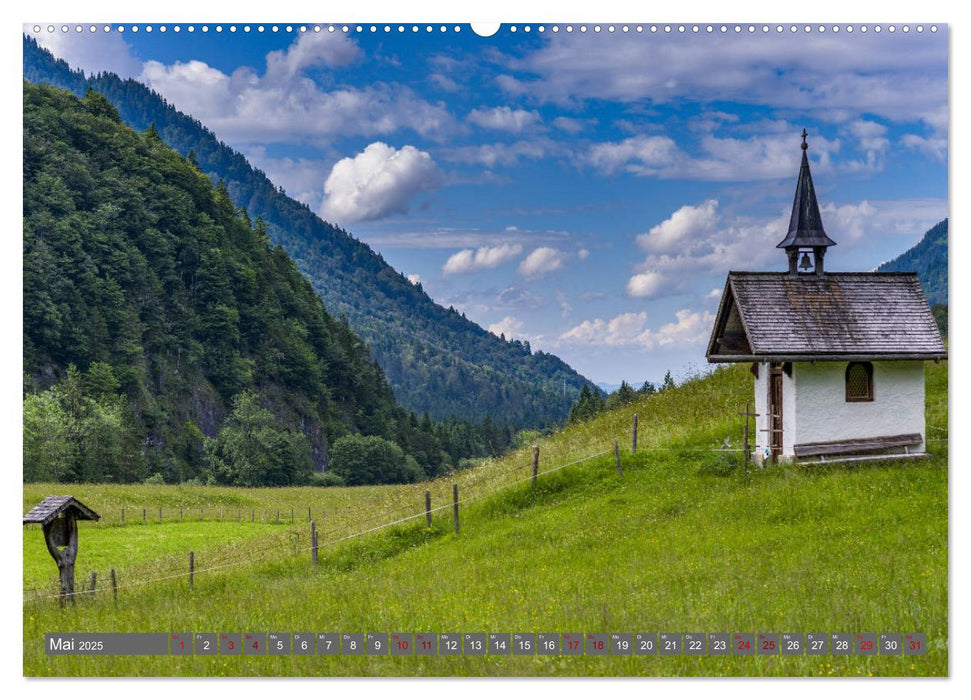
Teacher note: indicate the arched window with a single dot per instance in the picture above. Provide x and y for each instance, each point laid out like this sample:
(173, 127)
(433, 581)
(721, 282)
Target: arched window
(859, 381)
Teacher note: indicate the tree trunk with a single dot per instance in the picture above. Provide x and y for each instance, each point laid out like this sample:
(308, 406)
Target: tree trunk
(67, 582)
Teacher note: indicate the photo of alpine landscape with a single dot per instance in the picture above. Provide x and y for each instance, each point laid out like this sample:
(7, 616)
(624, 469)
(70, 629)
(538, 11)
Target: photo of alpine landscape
(558, 352)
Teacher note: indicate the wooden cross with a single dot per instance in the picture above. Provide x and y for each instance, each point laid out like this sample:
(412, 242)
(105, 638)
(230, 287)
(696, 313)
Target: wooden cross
(61, 538)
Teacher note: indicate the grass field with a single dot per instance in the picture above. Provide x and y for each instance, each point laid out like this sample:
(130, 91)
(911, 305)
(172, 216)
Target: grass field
(668, 546)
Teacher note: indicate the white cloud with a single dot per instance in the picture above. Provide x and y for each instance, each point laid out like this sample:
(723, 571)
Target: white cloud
(300, 177)
(687, 222)
(715, 294)
(415, 279)
(94, 53)
(484, 258)
(542, 261)
(504, 119)
(499, 154)
(691, 328)
(645, 285)
(284, 105)
(569, 124)
(518, 298)
(625, 329)
(872, 141)
(736, 243)
(935, 146)
(586, 333)
(509, 326)
(850, 220)
(583, 254)
(443, 82)
(870, 221)
(512, 327)
(898, 77)
(193, 86)
(565, 307)
(764, 157)
(378, 182)
(748, 243)
(311, 49)
(642, 155)
(629, 330)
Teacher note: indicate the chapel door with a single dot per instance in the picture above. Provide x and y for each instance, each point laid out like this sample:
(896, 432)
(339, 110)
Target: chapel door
(775, 412)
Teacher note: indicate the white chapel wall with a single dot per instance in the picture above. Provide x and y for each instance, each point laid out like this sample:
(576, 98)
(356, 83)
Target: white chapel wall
(823, 414)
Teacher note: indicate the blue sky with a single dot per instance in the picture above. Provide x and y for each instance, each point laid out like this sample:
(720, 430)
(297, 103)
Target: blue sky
(586, 191)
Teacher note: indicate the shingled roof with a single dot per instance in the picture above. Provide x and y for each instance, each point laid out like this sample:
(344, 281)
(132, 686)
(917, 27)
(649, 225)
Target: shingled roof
(778, 317)
(52, 506)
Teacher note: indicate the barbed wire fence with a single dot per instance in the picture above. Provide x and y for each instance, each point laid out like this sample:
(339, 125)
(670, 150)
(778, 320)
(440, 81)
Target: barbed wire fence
(238, 553)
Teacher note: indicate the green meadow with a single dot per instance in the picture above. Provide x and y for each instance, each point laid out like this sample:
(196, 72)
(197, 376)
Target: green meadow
(683, 541)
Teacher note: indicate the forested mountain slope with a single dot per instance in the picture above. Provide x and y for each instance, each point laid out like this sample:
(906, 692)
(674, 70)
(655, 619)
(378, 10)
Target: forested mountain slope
(435, 359)
(153, 307)
(929, 260)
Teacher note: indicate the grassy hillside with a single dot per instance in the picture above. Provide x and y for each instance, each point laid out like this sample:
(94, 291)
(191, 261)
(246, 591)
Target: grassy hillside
(668, 546)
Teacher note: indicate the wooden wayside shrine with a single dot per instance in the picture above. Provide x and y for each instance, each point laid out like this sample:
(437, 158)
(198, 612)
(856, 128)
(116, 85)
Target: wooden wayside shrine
(58, 516)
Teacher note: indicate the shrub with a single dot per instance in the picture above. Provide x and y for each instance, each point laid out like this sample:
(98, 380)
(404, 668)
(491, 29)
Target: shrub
(254, 449)
(325, 479)
(360, 459)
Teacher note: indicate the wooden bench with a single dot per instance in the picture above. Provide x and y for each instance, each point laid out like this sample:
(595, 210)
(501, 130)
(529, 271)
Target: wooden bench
(848, 447)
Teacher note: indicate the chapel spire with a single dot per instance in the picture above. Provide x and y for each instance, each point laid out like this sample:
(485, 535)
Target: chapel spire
(805, 224)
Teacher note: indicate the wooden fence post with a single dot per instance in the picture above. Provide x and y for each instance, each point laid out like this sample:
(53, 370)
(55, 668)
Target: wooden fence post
(620, 469)
(252, 515)
(278, 515)
(633, 442)
(313, 541)
(180, 513)
(745, 436)
(535, 463)
(745, 440)
(428, 507)
(122, 516)
(310, 516)
(192, 568)
(114, 585)
(144, 516)
(94, 582)
(160, 513)
(455, 505)
(291, 515)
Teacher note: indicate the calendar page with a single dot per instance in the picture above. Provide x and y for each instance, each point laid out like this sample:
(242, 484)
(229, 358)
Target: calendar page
(447, 350)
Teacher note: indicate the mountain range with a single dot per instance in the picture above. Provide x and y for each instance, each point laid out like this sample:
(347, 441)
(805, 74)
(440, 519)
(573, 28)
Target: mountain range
(436, 361)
